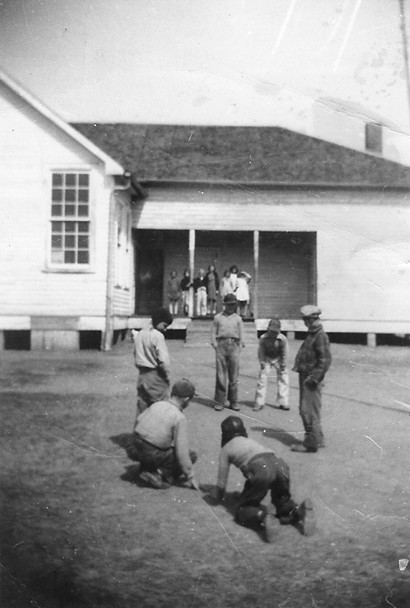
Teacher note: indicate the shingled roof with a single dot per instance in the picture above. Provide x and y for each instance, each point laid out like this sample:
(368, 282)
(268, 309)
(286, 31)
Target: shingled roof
(258, 155)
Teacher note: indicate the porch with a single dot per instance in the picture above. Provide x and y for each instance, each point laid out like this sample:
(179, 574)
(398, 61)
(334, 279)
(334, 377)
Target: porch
(282, 266)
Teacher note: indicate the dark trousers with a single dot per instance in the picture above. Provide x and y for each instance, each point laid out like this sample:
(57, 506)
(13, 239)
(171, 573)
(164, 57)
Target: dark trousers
(152, 458)
(265, 473)
(227, 370)
(151, 387)
(310, 405)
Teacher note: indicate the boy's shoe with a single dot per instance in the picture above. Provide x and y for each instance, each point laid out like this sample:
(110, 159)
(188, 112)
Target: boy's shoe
(301, 448)
(284, 407)
(271, 524)
(257, 408)
(219, 407)
(167, 477)
(154, 480)
(307, 516)
(234, 407)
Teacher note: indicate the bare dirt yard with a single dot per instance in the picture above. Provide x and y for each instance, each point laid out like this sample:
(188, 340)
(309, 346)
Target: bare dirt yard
(79, 530)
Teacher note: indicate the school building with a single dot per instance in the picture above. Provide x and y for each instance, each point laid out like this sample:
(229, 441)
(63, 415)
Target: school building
(95, 216)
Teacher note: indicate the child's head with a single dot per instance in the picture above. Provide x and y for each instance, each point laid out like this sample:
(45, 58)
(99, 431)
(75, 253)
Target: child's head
(230, 303)
(274, 326)
(173, 274)
(187, 273)
(232, 427)
(161, 318)
(201, 272)
(211, 268)
(227, 273)
(234, 269)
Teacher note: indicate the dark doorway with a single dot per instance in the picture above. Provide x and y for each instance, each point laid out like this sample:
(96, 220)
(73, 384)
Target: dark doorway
(149, 272)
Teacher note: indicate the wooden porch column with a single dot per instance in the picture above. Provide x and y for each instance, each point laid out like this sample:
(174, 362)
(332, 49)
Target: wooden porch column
(191, 270)
(255, 272)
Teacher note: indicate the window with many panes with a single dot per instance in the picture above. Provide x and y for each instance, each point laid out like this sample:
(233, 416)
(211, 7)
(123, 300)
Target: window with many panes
(70, 218)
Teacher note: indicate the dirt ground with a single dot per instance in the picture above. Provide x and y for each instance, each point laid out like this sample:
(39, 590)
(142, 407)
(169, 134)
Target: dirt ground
(79, 530)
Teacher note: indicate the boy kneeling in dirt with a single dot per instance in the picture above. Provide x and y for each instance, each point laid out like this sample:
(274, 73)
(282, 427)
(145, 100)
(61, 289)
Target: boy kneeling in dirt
(264, 472)
(161, 440)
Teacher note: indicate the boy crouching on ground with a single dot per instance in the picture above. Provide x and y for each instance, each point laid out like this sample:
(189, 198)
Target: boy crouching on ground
(264, 472)
(161, 440)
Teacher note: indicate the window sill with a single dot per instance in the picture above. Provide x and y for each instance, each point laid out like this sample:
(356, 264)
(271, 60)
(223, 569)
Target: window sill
(68, 270)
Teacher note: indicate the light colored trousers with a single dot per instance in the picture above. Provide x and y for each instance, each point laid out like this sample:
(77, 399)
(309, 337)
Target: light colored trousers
(201, 301)
(282, 384)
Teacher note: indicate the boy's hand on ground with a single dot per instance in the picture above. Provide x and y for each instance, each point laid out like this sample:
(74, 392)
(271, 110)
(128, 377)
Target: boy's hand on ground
(194, 484)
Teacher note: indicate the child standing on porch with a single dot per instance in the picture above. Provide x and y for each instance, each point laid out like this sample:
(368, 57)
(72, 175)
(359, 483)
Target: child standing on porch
(242, 292)
(185, 286)
(173, 292)
(200, 290)
(212, 287)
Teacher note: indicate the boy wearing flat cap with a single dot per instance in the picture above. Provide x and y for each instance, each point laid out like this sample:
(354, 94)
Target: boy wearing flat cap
(311, 363)
(227, 340)
(161, 440)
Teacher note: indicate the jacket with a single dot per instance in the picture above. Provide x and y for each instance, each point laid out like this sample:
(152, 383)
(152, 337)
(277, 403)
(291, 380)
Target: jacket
(314, 358)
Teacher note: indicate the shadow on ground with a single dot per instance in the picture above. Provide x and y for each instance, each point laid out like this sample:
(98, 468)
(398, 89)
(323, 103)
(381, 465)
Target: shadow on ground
(126, 441)
(278, 434)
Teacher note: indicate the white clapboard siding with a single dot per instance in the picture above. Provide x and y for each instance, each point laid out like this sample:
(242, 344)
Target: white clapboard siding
(362, 249)
(31, 147)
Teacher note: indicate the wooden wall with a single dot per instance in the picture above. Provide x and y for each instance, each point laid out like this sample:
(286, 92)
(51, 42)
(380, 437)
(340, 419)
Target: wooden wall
(362, 248)
(31, 148)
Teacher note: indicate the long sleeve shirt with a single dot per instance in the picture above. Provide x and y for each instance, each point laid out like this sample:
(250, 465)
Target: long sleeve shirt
(314, 358)
(150, 350)
(226, 326)
(164, 425)
(273, 349)
(238, 451)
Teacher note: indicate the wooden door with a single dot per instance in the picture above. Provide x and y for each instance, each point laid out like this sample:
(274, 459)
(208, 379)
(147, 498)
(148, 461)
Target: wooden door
(149, 280)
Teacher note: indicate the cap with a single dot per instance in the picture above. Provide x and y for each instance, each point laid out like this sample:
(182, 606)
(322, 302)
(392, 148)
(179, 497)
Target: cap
(274, 324)
(310, 311)
(230, 298)
(232, 427)
(183, 388)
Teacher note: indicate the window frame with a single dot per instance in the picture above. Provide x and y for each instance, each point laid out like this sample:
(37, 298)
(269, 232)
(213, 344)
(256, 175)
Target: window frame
(67, 267)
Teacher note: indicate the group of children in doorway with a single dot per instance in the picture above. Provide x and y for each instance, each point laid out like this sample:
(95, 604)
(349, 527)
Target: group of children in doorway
(203, 296)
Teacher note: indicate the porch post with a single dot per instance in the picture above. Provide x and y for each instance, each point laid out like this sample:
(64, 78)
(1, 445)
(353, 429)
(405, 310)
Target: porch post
(255, 272)
(191, 271)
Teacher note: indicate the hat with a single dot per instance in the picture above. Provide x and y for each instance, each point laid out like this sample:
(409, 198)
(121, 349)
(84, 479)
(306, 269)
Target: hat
(183, 388)
(161, 315)
(274, 324)
(230, 298)
(310, 311)
(232, 427)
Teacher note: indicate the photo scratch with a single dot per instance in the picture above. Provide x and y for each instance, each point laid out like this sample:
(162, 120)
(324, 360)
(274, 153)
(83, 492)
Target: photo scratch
(224, 529)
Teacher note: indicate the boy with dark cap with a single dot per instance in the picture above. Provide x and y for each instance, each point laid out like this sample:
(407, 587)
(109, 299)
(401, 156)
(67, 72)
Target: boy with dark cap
(264, 472)
(161, 440)
(152, 360)
(312, 362)
(273, 352)
(227, 340)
